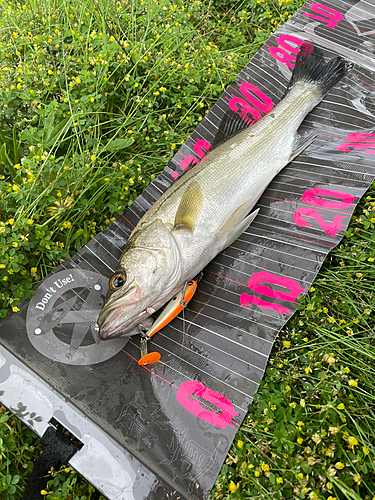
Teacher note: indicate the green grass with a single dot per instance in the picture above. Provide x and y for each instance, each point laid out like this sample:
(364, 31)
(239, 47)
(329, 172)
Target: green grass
(84, 124)
(310, 431)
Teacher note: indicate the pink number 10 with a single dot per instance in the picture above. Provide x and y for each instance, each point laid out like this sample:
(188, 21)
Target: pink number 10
(257, 283)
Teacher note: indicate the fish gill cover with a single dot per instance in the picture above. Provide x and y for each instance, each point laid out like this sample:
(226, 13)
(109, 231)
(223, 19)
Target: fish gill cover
(165, 429)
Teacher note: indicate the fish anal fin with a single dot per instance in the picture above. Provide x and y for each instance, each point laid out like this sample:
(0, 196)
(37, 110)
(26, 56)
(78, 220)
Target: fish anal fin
(236, 224)
(301, 142)
(189, 208)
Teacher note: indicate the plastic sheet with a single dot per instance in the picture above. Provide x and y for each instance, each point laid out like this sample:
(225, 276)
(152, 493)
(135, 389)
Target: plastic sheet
(165, 429)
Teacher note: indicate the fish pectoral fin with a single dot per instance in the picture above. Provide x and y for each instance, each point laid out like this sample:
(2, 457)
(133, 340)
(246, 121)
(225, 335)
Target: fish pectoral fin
(301, 142)
(236, 224)
(189, 208)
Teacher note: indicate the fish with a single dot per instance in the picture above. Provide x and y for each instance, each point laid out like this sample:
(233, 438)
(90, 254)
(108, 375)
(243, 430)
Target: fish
(211, 204)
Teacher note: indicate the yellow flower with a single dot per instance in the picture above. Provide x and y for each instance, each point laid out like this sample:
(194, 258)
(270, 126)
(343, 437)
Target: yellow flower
(341, 406)
(300, 476)
(93, 157)
(365, 450)
(308, 370)
(299, 440)
(61, 205)
(11, 221)
(265, 467)
(15, 244)
(5, 278)
(232, 487)
(106, 179)
(78, 80)
(329, 358)
(10, 271)
(292, 405)
(286, 343)
(334, 430)
(316, 438)
(288, 388)
(352, 441)
(357, 478)
(279, 480)
(353, 383)
(15, 309)
(239, 444)
(257, 473)
(339, 465)
(33, 269)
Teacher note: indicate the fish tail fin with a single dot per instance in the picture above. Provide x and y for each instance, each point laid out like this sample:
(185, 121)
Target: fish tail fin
(311, 68)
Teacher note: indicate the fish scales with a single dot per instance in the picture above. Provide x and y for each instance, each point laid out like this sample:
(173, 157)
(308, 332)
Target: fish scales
(237, 171)
(208, 207)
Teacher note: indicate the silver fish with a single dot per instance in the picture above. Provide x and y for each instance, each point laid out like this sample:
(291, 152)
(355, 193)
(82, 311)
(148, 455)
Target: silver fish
(207, 208)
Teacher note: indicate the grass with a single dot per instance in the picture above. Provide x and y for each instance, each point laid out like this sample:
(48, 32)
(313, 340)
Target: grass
(85, 123)
(310, 432)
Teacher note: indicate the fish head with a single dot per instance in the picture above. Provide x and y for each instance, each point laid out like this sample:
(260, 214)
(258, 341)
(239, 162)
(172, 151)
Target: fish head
(147, 272)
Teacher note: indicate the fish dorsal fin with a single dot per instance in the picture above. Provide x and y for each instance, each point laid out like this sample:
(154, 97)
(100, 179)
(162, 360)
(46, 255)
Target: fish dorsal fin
(230, 125)
(301, 142)
(236, 224)
(189, 208)
(187, 169)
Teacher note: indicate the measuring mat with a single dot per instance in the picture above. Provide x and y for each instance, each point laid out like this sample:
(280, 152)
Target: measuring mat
(164, 429)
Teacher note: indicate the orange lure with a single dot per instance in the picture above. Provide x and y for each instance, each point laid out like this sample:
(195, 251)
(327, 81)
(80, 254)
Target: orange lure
(172, 309)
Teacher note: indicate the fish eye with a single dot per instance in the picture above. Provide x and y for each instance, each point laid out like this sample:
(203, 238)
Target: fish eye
(117, 281)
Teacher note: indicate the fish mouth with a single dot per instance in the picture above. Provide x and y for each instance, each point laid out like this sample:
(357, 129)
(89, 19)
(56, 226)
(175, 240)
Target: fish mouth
(108, 331)
(120, 318)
